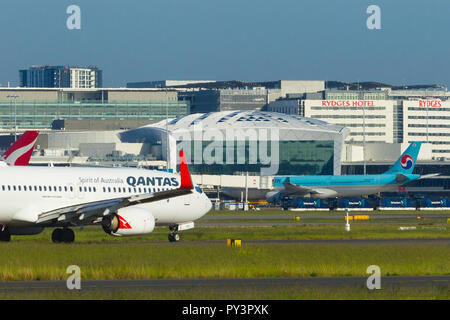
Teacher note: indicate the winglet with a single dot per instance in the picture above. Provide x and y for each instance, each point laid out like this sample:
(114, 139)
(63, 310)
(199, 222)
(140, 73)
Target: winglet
(19, 153)
(186, 181)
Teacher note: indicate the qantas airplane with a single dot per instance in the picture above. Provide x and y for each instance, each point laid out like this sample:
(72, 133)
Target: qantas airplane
(323, 187)
(124, 201)
(19, 153)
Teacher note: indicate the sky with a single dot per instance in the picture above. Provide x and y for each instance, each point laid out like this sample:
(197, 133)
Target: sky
(144, 40)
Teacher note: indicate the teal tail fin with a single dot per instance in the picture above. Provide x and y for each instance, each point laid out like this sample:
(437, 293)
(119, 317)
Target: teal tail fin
(405, 164)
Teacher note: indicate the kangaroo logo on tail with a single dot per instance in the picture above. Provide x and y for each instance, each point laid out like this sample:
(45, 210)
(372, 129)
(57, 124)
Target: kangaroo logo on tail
(19, 153)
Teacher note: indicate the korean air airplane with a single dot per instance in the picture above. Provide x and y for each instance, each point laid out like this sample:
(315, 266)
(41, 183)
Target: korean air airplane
(323, 187)
(123, 201)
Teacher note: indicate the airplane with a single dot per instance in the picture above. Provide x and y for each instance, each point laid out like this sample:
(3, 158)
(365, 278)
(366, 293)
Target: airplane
(330, 186)
(124, 201)
(19, 153)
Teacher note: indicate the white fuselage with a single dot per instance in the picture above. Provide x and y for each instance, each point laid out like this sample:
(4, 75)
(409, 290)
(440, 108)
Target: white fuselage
(26, 192)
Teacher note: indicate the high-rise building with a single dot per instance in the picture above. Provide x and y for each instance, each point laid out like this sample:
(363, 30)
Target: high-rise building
(60, 77)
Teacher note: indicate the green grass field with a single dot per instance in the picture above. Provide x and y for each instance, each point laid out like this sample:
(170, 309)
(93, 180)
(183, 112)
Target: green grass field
(101, 256)
(38, 261)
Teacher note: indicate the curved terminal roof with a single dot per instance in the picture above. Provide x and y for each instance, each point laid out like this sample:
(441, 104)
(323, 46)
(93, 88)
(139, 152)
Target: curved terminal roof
(290, 126)
(246, 119)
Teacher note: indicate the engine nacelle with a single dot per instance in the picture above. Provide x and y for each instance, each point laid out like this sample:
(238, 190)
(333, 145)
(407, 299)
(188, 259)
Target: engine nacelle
(324, 194)
(129, 221)
(25, 231)
(273, 196)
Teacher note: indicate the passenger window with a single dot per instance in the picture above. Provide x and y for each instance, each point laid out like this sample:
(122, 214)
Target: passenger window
(95, 190)
(71, 188)
(45, 188)
(3, 188)
(109, 189)
(65, 188)
(40, 188)
(90, 190)
(18, 187)
(9, 188)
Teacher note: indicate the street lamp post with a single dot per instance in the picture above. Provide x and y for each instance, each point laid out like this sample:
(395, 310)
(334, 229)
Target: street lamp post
(364, 138)
(167, 131)
(15, 114)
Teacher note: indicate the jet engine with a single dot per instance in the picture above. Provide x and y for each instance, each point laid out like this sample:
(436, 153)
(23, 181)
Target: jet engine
(129, 221)
(323, 194)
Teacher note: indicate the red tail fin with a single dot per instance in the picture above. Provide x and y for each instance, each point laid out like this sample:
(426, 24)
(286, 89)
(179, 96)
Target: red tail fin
(186, 181)
(19, 153)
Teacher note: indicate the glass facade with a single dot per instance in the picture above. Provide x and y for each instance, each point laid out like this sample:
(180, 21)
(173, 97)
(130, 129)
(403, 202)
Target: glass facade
(294, 158)
(41, 114)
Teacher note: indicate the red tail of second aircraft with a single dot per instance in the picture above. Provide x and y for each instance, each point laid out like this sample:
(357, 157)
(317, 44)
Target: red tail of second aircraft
(19, 153)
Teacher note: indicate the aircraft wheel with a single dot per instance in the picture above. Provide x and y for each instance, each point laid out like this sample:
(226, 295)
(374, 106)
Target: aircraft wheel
(57, 235)
(68, 236)
(174, 237)
(5, 235)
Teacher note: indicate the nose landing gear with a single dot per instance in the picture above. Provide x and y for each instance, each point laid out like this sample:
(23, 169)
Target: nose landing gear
(173, 235)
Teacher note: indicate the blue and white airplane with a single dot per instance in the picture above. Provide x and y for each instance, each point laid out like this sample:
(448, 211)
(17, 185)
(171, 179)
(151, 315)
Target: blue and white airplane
(323, 187)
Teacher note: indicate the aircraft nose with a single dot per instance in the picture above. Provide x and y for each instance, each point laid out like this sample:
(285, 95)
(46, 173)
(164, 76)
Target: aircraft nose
(208, 204)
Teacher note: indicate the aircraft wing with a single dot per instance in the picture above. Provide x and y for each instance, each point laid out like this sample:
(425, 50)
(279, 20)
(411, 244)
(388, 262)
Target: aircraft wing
(301, 191)
(290, 188)
(90, 212)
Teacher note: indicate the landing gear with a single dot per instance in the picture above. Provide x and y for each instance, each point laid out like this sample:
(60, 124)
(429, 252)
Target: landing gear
(5, 235)
(65, 235)
(173, 235)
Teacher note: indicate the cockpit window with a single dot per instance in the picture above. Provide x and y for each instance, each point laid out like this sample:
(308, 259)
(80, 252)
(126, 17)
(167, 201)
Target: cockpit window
(198, 189)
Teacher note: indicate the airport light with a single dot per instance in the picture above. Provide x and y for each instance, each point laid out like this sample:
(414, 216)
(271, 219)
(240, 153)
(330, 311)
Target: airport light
(14, 96)
(167, 131)
(347, 224)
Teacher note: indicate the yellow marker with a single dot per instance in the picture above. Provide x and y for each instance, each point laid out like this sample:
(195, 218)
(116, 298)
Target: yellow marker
(448, 220)
(297, 218)
(237, 243)
(228, 242)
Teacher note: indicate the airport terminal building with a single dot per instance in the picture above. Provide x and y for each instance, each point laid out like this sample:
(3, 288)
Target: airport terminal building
(37, 108)
(240, 142)
(378, 116)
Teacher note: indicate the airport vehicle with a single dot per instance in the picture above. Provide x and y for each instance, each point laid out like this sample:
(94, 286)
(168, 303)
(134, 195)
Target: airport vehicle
(124, 201)
(19, 153)
(326, 186)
